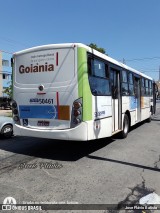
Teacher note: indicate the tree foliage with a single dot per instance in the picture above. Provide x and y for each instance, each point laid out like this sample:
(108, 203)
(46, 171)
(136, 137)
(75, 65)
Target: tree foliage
(8, 90)
(94, 46)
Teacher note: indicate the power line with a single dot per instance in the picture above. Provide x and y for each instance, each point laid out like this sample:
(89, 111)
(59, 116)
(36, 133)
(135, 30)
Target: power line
(142, 59)
(13, 42)
(148, 71)
(6, 52)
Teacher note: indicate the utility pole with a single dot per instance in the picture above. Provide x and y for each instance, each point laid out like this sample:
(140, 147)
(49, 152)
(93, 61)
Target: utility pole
(124, 62)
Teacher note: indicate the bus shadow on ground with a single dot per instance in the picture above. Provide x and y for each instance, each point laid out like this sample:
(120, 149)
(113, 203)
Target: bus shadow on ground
(53, 149)
(57, 149)
(132, 128)
(156, 169)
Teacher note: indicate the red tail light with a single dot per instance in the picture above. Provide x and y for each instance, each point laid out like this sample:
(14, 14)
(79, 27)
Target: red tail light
(76, 112)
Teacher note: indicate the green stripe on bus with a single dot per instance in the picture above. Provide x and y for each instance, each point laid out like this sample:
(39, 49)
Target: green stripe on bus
(83, 84)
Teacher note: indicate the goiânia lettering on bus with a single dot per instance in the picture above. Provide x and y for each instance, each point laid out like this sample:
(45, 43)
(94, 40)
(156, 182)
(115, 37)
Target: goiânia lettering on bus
(37, 68)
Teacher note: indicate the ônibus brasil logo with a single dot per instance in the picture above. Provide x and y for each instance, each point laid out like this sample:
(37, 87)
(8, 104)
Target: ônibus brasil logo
(8, 203)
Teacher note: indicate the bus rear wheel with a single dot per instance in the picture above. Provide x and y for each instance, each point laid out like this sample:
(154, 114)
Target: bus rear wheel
(125, 129)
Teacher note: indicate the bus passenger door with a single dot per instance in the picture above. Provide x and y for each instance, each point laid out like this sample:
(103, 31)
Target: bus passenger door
(116, 100)
(138, 98)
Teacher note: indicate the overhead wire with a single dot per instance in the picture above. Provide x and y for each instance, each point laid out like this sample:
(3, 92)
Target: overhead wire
(14, 42)
(142, 59)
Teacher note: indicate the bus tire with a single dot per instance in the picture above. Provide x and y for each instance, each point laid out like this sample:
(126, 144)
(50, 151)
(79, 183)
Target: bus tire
(125, 129)
(152, 110)
(149, 119)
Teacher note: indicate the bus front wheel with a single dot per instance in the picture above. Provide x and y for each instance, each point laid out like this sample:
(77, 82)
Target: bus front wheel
(125, 129)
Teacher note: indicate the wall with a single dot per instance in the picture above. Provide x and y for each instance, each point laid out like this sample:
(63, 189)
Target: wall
(1, 84)
(7, 71)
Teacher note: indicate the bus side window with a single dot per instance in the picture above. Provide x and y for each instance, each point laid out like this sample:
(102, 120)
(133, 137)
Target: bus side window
(142, 86)
(136, 88)
(124, 83)
(89, 65)
(146, 87)
(131, 84)
(114, 84)
(107, 70)
(150, 88)
(99, 83)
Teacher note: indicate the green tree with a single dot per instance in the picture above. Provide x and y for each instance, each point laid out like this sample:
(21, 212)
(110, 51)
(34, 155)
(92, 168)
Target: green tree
(8, 90)
(94, 46)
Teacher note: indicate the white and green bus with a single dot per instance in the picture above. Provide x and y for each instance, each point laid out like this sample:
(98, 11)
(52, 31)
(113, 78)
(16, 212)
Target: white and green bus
(73, 92)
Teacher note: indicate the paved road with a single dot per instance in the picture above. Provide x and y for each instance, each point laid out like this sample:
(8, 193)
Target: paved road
(111, 170)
